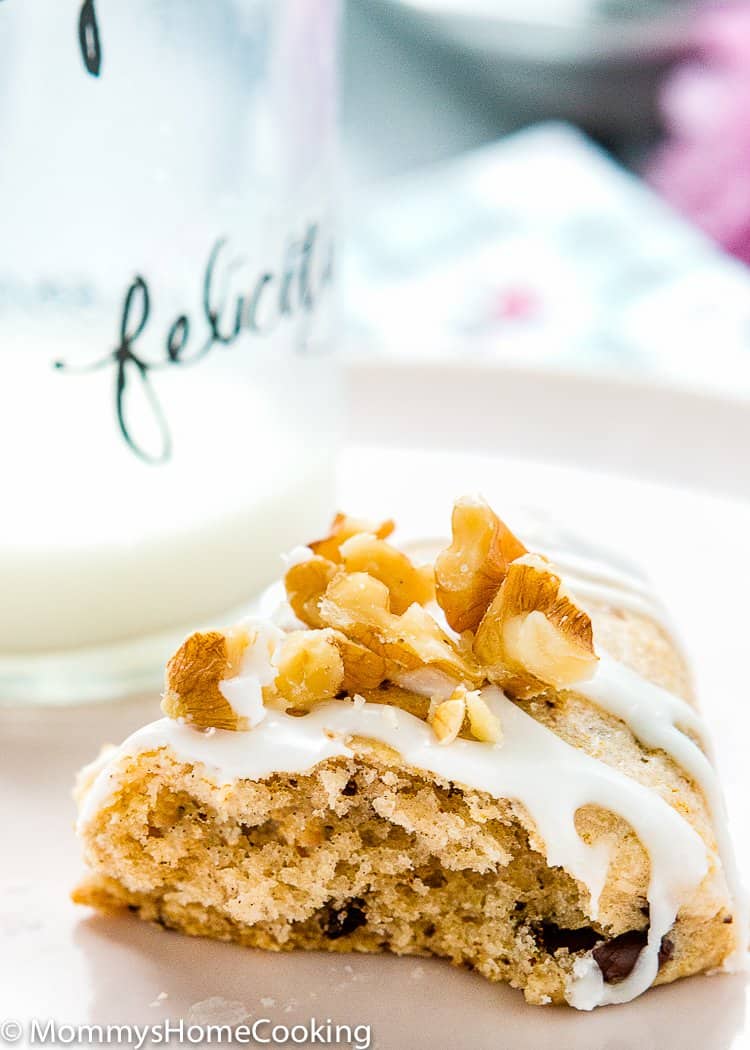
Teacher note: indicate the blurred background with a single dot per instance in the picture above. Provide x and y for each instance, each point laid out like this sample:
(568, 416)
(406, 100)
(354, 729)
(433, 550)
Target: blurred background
(427, 79)
(557, 182)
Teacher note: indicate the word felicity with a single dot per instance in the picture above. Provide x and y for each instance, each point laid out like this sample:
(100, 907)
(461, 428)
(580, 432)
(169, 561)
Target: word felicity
(225, 315)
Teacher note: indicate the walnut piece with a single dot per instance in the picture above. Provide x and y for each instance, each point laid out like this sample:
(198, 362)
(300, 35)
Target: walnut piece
(368, 633)
(448, 717)
(305, 584)
(310, 668)
(469, 573)
(533, 635)
(343, 528)
(193, 675)
(363, 669)
(407, 583)
(484, 725)
(359, 606)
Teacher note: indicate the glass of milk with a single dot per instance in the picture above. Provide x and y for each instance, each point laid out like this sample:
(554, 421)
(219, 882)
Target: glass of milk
(168, 403)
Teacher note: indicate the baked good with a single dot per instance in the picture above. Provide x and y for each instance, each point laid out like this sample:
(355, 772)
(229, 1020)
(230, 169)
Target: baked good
(489, 758)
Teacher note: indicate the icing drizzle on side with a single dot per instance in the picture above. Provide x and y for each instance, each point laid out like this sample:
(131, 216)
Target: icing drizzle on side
(660, 720)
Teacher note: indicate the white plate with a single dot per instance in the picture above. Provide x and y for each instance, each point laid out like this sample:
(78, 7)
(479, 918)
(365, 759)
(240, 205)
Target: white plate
(601, 457)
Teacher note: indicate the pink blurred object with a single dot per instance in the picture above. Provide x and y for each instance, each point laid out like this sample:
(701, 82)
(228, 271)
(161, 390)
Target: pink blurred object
(704, 166)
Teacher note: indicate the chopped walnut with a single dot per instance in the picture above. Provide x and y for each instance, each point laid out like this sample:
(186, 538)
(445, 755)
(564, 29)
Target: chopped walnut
(533, 635)
(363, 669)
(193, 675)
(447, 719)
(464, 713)
(359, 606)
(406, 582)
(306, 583)
(369, 634)
(484, 725)
(343, 528)
(469, 573)
(310, 668)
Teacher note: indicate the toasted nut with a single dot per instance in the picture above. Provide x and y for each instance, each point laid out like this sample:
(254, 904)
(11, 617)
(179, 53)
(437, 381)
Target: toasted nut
(193, 675)
(356, 597)
(342, 528)
(484, 725)
(448, 718)
(310, 668)
(469, 573)
(363, 669)
(406, 583)
(533, 635)
(359, 606)
(305, 584)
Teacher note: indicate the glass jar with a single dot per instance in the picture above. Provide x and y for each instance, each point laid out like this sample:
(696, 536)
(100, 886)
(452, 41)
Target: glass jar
(167, 393)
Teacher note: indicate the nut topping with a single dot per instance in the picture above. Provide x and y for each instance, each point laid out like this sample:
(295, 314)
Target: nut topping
(448, 717)
(369, 633)
(469, 573)
(306, 583)
(193, 675)
(406, 583)
(310, 668)
(484, 725)
(359, 606)
(533, 635)
(343, 528)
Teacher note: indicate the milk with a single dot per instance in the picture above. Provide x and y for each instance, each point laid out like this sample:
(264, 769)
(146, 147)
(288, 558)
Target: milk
(168, 404)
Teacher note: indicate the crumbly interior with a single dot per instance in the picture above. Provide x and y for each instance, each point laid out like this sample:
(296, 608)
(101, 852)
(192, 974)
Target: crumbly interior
(368, 854)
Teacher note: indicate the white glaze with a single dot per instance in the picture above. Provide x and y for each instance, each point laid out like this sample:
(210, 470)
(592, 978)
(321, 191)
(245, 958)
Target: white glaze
(659, 720)
(571, 779)
(245, 691)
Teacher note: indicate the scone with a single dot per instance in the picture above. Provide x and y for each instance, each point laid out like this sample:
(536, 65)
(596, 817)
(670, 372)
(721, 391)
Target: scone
(488, 759)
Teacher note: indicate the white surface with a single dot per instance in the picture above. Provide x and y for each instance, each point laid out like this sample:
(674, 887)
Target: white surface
(579, 440)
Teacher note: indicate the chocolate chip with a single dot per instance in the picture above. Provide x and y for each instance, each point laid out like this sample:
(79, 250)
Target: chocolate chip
(350, 788)
(429, 930)
(616, 958)
(340, 922)
(728, 920)
(553, 937)
(666, 951)
(519, 906)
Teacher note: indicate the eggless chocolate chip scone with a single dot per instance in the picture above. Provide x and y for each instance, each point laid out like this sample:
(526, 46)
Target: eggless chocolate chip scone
(487, 759)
